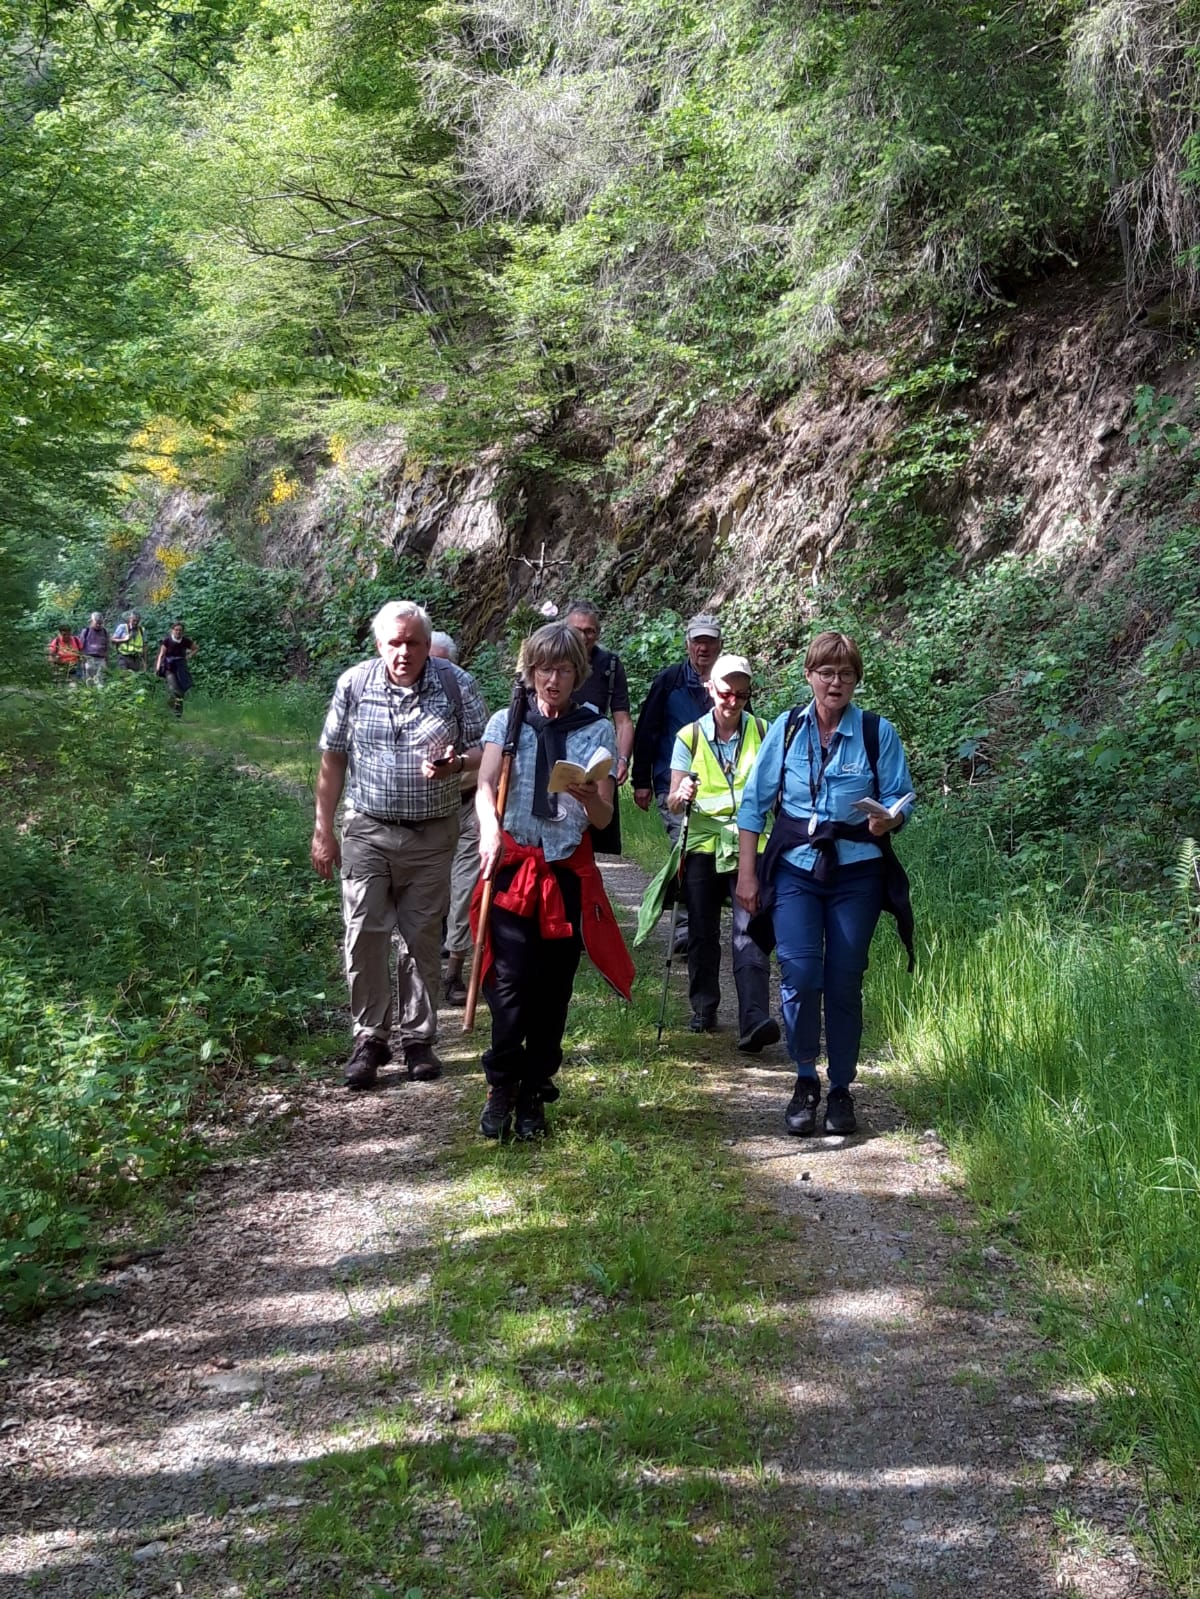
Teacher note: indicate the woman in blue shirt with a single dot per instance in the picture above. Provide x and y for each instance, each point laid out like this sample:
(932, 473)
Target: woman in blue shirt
(823, 872)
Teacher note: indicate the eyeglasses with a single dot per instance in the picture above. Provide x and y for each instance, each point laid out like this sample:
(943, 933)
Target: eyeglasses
(731, 696)
(836, 674)
(555, 671)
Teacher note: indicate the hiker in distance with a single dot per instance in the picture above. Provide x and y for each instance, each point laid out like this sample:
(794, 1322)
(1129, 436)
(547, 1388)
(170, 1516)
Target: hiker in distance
(130, 643)
(828, 869)
(712, 760)
(677, 696)
(464, 866)
(94, 642)
(401, 730)
(174, 653)
(549, 900)
(64, 652)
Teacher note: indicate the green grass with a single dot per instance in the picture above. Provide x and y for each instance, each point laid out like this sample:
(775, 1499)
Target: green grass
(161, 930)
(273, 729)
(1059, 1051)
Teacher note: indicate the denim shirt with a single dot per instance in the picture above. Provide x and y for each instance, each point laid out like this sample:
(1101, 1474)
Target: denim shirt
(847, 777)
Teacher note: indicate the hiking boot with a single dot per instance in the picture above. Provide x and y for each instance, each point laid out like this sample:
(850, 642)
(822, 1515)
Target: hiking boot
(531, 1114)
(702, 1024)
(367, 1056)
(766, 1032)
(423, 1065)
(455, 991)
(800, 1118)
(496, 1120)
(839, 1112)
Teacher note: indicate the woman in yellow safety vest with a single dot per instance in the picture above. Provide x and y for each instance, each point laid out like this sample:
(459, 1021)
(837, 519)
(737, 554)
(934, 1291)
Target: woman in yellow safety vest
(130, 643)
(709, 767)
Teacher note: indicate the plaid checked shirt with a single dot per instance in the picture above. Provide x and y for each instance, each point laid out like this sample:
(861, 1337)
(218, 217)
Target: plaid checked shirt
(387, 731)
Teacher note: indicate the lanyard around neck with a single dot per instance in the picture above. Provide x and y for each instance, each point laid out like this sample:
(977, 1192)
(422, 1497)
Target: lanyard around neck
(816, 770)
(728, 767)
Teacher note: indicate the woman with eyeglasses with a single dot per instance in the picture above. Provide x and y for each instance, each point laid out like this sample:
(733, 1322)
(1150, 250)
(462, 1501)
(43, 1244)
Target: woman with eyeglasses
(710, 763)
(828, 870)
(549, 903)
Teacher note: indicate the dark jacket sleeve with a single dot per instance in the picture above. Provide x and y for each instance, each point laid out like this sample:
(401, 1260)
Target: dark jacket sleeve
(620, 689)
(648, 732)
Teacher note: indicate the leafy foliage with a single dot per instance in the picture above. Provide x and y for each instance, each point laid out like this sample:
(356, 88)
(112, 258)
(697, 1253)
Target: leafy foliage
(160, 927)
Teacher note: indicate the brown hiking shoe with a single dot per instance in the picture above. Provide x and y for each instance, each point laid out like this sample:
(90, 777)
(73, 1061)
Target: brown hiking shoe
(422, 1063)
(367, 1056)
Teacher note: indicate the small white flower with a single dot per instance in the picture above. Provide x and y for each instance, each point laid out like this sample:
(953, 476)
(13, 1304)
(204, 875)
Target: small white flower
(549, 610)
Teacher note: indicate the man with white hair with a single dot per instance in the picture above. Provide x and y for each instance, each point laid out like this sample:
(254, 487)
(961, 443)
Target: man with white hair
(401, 730)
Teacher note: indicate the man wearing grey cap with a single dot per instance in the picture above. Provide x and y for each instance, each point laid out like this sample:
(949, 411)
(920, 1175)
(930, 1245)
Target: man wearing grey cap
(678, 695)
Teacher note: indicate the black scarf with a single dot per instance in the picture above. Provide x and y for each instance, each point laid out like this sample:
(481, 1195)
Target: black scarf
(551, 733)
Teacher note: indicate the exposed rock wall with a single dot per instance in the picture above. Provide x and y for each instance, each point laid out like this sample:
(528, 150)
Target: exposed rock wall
(747, 486)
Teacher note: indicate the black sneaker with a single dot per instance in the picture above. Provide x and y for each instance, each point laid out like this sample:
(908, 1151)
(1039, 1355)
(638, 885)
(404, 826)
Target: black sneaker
(767, 1032)
(800, 1117)
(455, 991)
(702, 1024)
(422, 1063)
(839, 1112)
(531, 1114)
(367, 1056)
(496, 1120)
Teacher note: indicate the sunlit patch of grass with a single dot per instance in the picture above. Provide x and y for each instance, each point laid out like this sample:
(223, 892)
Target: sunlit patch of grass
(274, 730)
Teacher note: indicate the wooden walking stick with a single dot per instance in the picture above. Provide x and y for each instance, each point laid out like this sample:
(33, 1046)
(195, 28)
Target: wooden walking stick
(512, 733)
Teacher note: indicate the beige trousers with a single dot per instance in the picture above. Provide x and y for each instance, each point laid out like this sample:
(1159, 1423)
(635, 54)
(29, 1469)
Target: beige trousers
(464, 874)
(395, 879)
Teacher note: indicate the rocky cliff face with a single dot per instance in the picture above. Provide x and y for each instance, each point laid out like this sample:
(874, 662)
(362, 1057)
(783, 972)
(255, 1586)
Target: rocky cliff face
(1043, 394)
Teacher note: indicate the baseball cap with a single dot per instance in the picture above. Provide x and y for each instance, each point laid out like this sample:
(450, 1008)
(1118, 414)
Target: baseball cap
(727, 666)
(704, 626)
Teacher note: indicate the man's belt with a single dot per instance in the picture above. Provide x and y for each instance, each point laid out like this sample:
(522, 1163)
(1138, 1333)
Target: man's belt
(403, 821)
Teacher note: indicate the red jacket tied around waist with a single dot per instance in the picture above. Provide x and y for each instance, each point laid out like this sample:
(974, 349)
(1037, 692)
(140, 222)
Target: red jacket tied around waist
(534, 891)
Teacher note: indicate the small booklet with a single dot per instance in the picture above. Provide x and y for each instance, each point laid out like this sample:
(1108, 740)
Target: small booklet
(566, 774)
(872, 807)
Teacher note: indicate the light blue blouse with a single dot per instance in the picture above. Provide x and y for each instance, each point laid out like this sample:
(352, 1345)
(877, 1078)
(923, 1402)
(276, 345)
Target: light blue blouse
(846, 778)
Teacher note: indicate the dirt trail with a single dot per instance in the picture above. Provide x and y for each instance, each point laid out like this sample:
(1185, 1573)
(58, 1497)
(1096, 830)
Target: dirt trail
(142, 1437)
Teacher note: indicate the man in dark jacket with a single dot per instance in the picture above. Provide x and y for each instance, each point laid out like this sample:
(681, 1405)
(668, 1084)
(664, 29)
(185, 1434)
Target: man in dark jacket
(606, 688)
(678, 695)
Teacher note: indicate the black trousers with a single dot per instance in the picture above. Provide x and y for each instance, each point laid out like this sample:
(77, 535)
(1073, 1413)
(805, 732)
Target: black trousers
(706, 892)
(528, 988)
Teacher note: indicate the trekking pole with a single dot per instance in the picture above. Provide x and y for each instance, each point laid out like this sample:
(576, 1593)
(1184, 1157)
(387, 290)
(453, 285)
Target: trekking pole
(683, 838)
(512, 733)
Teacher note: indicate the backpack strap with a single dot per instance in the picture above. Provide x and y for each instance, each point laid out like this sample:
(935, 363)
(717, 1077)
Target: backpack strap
(610, 679)
(448, 678)
(795, 717)
(870, 731)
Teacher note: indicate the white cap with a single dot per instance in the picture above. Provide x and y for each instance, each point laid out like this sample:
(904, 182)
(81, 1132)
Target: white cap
(727, 666)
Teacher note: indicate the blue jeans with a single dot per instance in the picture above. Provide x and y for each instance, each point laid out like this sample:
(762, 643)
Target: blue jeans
(822, 935)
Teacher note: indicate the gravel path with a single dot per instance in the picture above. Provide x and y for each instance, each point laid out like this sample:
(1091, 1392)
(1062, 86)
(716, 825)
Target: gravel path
(143, 1436)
